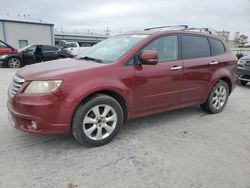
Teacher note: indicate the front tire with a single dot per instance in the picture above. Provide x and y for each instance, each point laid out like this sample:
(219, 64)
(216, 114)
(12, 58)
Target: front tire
(97, 121)
(217, 98)
(14, 62)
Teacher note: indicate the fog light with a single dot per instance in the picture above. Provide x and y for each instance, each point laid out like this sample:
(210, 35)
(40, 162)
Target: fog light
(33, 125)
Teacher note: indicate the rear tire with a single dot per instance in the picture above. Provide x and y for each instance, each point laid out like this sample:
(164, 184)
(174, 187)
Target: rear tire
(217, 98)
(97, 121)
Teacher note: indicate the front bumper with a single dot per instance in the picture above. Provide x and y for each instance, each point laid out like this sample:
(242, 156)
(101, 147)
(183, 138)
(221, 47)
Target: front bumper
(243, 74)
(47, 112)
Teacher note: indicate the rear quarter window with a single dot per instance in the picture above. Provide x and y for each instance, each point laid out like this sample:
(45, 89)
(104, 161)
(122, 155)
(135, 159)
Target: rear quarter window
(195, 47)
(217, 46)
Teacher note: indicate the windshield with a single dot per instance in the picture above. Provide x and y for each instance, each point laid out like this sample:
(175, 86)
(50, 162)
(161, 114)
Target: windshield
(24, 48)
(112, 49)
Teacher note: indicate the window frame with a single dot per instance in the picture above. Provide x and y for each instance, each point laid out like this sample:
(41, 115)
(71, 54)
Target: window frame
(195, 35)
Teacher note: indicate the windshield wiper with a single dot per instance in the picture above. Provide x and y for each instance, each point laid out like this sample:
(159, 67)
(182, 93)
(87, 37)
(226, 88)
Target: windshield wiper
(92, 59)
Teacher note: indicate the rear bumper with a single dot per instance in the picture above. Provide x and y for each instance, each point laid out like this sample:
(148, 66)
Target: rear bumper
(48, 114)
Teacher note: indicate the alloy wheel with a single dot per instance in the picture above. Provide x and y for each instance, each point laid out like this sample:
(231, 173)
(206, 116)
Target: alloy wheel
(14, 63)
(99, 122)
(219, 97)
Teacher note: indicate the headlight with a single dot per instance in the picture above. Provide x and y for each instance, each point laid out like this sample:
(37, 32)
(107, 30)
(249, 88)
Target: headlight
(242, 62)
(41, 87)
(3, 56)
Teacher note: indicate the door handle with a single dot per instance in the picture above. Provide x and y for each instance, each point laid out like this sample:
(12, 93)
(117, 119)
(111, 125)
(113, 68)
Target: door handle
(214, 63)
(176, 67)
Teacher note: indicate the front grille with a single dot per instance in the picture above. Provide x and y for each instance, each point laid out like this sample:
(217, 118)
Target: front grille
(15, 85)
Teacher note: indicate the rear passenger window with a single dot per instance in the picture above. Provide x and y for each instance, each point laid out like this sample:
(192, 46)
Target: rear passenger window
(195, 47)
(217, 46)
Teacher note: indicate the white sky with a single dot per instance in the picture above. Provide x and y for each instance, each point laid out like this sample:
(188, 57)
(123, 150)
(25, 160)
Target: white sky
(96, 15)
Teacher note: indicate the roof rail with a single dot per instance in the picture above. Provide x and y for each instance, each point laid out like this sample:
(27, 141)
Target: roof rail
(202, 30)
(167, 26)
(183, 27)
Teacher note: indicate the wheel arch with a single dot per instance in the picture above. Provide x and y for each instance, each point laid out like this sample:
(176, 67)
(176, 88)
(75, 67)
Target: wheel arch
(114, 94)
(228, 81)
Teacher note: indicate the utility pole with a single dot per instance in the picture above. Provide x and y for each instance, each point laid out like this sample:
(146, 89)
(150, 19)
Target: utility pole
(107, 31)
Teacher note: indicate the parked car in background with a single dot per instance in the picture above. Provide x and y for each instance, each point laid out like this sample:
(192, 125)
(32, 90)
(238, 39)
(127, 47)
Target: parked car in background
(123, 77)
(5, 49)
(72, 47)
(244, 70)
(34, 54)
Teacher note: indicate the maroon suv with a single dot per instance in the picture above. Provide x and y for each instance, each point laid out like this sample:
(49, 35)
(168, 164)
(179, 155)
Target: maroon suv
(123, 77)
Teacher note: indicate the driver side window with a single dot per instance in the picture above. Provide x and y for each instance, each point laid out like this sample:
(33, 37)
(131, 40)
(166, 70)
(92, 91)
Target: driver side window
(166, 47)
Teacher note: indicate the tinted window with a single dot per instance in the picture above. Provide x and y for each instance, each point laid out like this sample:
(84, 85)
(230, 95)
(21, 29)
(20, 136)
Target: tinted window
(50, 48)
(166, 47)
(217, 46)
(195, 47)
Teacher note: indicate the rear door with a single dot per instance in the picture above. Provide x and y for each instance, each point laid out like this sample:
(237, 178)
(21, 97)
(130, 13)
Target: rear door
(199, 68)
(49, 52)
(159, 86)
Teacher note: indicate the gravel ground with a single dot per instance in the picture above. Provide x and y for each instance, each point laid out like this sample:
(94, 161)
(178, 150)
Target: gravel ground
(183, 148)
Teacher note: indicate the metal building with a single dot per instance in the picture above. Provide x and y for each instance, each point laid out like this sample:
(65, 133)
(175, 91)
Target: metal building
(22, 32)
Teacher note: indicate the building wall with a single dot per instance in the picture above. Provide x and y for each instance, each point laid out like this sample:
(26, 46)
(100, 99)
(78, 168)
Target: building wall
(33, 33)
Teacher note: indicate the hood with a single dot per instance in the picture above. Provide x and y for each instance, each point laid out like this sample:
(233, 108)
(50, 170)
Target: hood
(56, 69)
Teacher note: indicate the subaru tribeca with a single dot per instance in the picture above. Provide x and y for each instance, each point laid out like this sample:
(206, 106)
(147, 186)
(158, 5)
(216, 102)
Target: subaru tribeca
(127, 76)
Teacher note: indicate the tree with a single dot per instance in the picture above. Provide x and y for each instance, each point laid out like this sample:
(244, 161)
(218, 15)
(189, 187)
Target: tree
(240, 40)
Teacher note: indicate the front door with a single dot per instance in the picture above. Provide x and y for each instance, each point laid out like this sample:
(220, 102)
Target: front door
(29, 55)
(159, 86)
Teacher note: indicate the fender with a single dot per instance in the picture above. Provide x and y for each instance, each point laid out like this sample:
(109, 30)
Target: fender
(220, 74)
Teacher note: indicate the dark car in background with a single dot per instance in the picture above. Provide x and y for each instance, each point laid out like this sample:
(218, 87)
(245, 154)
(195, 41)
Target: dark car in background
(5, 49)
(244, 70)
(34, 54)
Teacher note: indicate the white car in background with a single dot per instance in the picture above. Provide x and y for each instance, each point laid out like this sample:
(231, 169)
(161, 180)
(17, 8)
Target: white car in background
(73, 47)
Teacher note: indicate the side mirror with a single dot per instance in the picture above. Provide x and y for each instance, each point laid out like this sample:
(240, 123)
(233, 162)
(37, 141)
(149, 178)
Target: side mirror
(149, 57)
